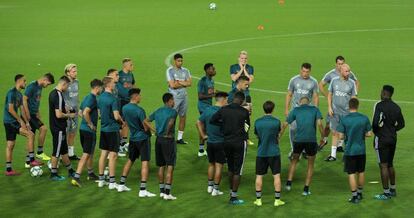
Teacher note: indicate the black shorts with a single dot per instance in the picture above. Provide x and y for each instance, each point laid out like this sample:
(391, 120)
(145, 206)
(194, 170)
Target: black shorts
(385, 151)
(12, 129)
(165, 151)
(309, 147)
(235, 155)
(109, 141)
(139, 148)
(35, 123)
(88, 141)
(215, 153)
(60, 146)
(354, 164)
(263, 163)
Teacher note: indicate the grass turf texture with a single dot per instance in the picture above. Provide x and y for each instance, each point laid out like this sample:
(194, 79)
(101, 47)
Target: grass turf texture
(96, 35)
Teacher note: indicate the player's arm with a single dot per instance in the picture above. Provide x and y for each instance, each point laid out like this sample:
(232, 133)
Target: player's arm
(400, 122)
(357, 85)
(26, 106)
(87, 116)
(322, 85)
(282, 130)
(315, 98)
(235, 75)
(376, 119)
(287, 102)
(330, 110)
(15, 115)
(320, 127)
(60, 114)
(201, 129)
(170, 127)
(118, 118)
(147, 125)
(25, 118)
(186, 83)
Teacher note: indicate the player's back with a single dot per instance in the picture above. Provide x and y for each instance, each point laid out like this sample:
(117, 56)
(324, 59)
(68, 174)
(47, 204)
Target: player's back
(107, 104)
(354, 126)
(267, 129)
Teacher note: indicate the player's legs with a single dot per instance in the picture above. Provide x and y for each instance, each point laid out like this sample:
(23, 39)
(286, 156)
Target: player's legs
(258, 185)
(9, 159)
(101, 167)
(30, 146)
(71, 134)
(391, 170)
(168, 183)
(181, 107)
(67, 163)
(218, 167)
(292, 131)
(309, 173)
(352, 180)
(143, 192)
(277, 183)
(41, 142)
(210, 177)
(84, 160)
(291, 171)
(181, 126)
(112, 167)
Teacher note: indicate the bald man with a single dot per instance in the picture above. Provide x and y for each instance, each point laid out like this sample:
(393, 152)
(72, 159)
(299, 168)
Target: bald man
(341, 90)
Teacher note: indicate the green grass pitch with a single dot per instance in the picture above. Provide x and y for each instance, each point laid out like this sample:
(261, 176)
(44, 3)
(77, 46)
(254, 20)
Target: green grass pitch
(376, 37)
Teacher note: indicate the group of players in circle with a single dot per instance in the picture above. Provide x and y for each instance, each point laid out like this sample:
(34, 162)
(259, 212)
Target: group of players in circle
(223, 126)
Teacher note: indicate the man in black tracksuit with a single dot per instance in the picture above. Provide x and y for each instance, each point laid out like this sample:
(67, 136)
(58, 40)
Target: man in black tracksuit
(235, 122)
(388, 119)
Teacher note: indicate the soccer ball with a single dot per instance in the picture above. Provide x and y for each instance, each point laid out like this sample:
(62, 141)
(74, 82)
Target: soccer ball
(212, 6)
(36, 171)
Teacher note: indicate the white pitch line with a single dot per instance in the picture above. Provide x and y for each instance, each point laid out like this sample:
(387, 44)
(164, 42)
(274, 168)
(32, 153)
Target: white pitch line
(168, 58)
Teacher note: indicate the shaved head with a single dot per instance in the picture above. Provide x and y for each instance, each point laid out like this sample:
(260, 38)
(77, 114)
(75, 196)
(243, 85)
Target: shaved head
(345, 71)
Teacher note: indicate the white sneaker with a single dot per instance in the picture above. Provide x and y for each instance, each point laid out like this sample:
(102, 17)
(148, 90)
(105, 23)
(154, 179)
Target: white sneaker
(101, 183)
(145, 193)
(169, 197)
(121, 153)
(204, 153)
(113, 186)
(209, 189)
(216, 192)
(288, 187)
(123, 188)
(162, 195)
(126, 146)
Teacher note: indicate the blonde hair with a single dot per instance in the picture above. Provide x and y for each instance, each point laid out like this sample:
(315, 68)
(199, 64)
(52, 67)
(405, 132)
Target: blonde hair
(243, 52)
(69, 67)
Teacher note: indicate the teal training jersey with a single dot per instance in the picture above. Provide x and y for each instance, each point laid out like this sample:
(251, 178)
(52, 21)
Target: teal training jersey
(306, 117)
(205, 86)
(14, 97)
(107, 104)
(124, 84)
(354, 126)
(162, 117)
(33, 93)
(267, 129)
(214, 133)
(134, 115)
(90, 101)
